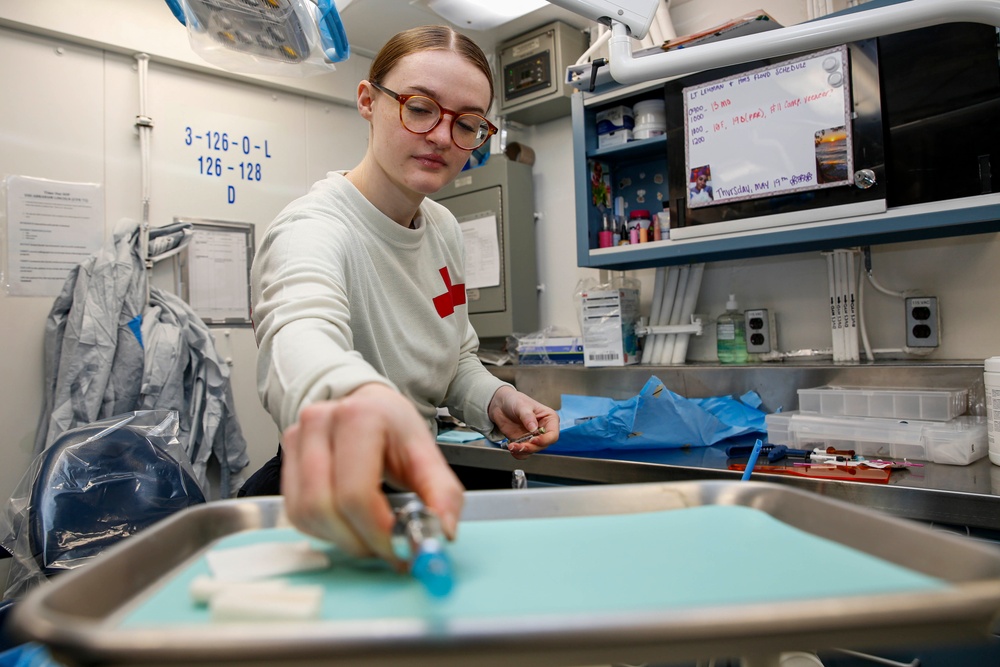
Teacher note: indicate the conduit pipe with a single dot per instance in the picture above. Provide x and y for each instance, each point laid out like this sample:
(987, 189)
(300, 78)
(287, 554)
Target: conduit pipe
(663, 20)
(687, 309)
(669, 292)
(144, 125)
(654, 314)
(675, 315)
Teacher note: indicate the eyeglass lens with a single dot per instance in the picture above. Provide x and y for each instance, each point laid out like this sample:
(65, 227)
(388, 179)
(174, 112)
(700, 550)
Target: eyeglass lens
(421, 114)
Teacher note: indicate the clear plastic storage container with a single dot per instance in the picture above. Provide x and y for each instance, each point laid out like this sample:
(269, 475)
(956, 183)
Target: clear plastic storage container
(927, 404)
(957, 442)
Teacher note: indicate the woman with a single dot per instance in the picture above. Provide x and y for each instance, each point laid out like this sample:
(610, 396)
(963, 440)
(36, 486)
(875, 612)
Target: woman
(360, 314)
(701, 189)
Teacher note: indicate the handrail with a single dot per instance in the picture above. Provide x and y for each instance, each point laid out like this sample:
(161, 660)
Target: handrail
(909, 15)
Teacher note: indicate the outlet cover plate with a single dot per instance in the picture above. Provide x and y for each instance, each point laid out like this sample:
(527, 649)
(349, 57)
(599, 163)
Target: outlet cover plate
(759, 331)
(923, 325)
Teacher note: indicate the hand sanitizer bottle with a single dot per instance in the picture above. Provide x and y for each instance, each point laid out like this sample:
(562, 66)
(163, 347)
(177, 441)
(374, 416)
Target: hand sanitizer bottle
(730, 334)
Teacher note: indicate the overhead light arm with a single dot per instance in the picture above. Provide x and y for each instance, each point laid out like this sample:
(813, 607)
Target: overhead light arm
(865, 24)
(635, 15)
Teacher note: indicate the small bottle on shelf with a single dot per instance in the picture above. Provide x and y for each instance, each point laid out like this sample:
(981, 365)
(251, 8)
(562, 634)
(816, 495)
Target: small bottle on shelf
(639, 220)
(662, 222)
(604, 237)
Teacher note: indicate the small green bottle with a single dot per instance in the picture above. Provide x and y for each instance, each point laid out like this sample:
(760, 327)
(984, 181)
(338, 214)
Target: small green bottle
(731, 334)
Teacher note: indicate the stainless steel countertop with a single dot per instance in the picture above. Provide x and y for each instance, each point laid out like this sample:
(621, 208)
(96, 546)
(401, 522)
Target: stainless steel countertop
(941, 494)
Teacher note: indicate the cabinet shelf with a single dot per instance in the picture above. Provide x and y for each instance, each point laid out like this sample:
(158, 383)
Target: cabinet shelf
(648, 159)
(633, 149)
(957, 217)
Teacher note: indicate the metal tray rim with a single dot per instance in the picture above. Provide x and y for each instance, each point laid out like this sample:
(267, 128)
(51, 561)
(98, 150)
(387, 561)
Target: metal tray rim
(965, 610)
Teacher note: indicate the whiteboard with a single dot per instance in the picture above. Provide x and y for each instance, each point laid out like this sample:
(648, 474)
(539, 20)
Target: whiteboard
(774, 130)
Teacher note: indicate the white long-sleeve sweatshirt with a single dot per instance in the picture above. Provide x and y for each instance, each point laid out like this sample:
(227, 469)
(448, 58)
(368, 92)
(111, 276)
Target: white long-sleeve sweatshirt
(342, 295)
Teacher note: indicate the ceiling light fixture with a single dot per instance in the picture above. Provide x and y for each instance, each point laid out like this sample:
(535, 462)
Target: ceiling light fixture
(482, 14)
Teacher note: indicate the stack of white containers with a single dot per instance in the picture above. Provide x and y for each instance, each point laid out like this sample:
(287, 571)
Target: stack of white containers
(884, 423)
(650, 119)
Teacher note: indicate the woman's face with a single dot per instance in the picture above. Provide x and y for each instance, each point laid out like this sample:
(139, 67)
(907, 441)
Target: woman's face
(425, 163)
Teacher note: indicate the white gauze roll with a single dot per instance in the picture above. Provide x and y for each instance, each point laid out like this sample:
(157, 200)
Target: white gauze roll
(292, 603)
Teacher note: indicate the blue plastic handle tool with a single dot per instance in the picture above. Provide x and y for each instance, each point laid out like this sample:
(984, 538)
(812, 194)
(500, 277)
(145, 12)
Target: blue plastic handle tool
(774, 452)
(331, 30)
(177, 10)
(778, 452)
(752, 462)
(745, 450)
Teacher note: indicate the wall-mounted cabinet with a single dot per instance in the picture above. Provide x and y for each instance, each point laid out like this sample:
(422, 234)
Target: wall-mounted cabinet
(919, 109)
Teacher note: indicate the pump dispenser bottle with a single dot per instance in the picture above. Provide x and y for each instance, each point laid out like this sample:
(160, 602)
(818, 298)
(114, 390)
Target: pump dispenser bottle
(730, 334)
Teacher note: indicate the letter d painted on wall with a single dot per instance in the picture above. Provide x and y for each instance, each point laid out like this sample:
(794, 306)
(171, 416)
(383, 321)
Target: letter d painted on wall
(232, 195)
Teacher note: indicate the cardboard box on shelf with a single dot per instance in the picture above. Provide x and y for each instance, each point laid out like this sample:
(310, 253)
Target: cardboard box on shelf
(538, 350)
(609, 317)
(614, 126)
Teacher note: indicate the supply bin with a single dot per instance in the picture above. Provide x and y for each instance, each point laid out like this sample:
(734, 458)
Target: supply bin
(926, 404)
(957, 442)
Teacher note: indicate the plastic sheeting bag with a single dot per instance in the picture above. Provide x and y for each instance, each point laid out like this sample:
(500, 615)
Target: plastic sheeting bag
(28, 655)
(276, 37)
(656, 418)
(95, 485)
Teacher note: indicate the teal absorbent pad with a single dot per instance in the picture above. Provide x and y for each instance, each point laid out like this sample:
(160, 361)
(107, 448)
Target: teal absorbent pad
(666, 560)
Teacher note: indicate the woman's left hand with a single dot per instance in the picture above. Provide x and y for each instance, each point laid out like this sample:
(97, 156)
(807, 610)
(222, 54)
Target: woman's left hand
(516, 414)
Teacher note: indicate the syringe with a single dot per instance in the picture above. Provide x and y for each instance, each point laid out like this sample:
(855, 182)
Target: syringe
(418, 540)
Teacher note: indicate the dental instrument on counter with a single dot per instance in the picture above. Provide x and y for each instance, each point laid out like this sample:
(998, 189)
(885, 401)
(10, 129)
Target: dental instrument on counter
(894, 465)
(776, 453)
(862, 462)
(825, 471)
(506, 442)
(773, 452)
(519, 480)
(417, 539)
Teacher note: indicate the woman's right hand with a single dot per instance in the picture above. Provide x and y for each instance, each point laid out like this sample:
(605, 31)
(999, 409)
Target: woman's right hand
(336, 457)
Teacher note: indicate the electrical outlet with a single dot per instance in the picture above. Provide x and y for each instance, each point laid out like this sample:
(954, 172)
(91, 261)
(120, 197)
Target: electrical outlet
(923, 324)
(760, 331)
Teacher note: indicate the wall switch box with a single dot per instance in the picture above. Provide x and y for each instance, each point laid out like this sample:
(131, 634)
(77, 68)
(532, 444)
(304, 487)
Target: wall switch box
(760, 331)
(923, 324)
(532, 88)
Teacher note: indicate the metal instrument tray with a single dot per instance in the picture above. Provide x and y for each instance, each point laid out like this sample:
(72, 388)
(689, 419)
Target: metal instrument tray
(77, 615)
